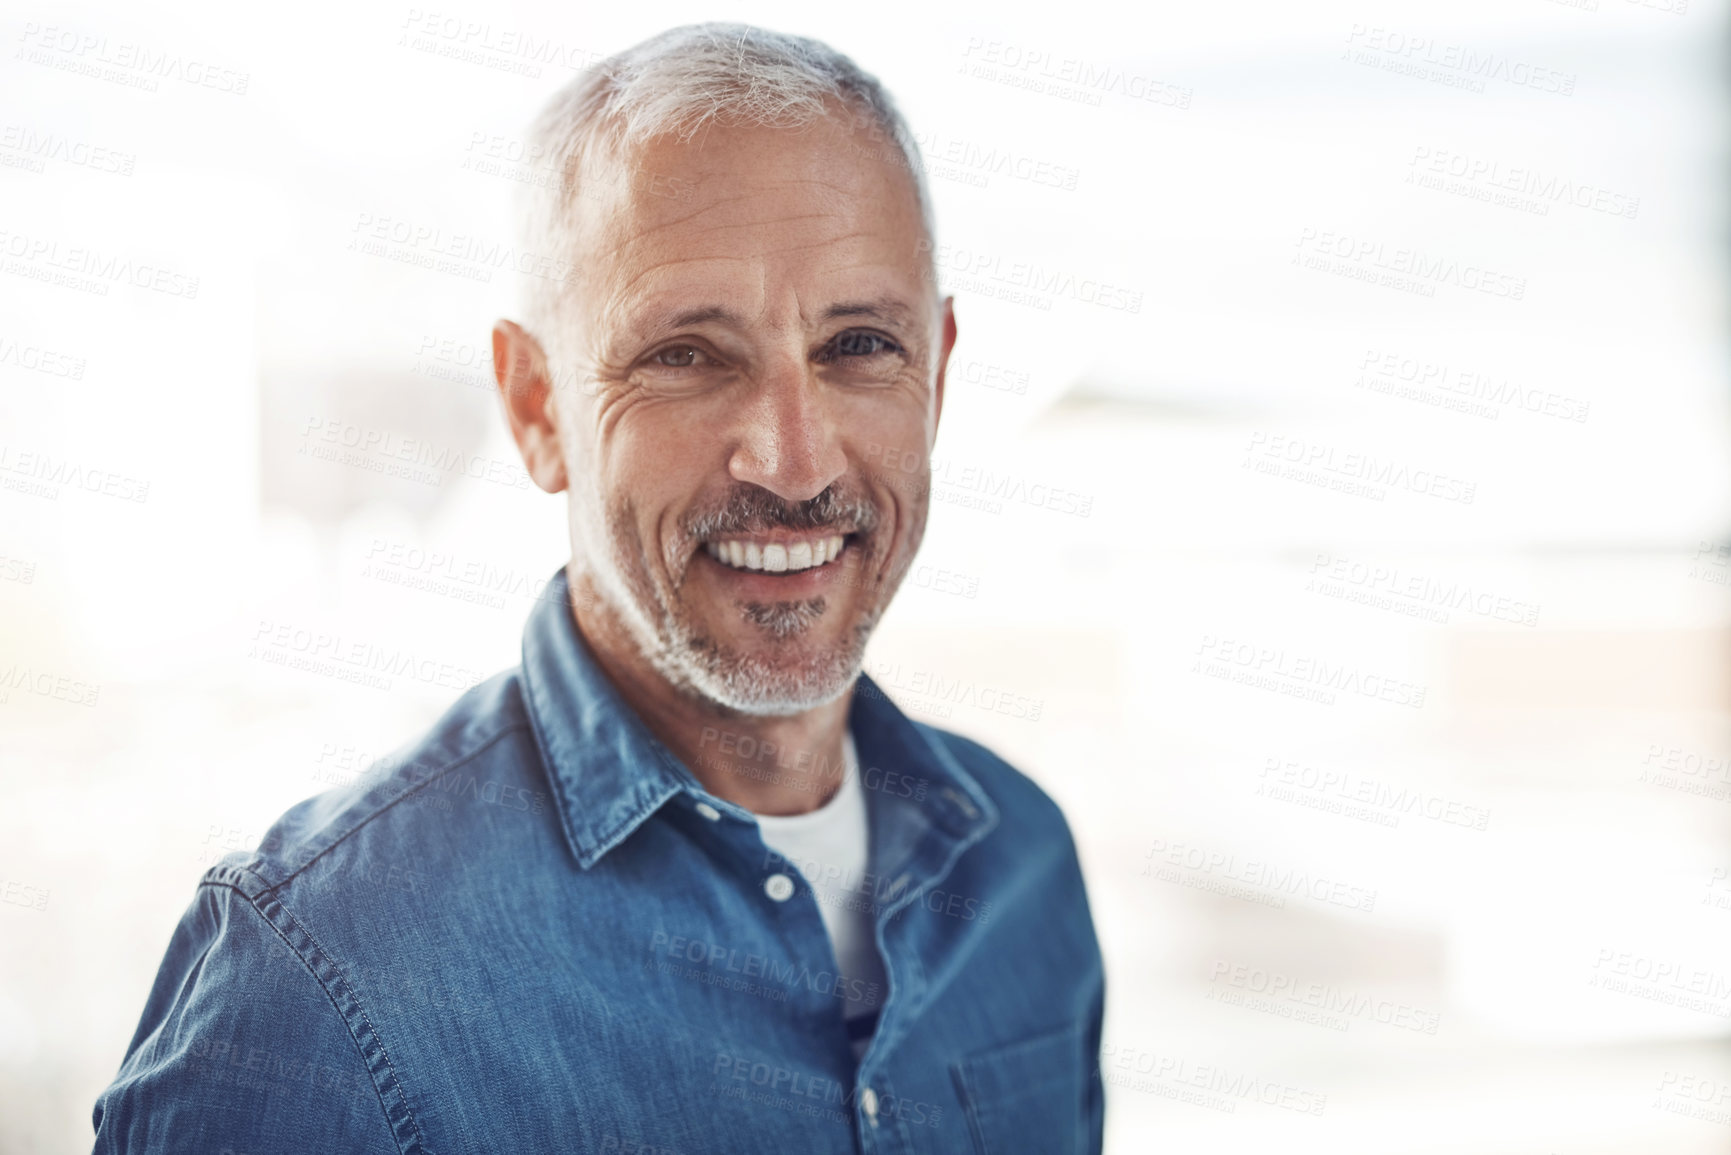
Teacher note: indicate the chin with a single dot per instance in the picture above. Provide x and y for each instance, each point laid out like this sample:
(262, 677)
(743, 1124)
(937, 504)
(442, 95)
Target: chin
(779, 670)
(773, 688)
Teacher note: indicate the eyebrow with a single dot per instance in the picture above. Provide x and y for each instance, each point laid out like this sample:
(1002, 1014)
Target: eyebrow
(883, 309)
(702, 316)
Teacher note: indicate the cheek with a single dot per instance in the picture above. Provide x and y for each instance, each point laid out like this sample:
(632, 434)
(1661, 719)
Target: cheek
(889, 437)
(652, 470)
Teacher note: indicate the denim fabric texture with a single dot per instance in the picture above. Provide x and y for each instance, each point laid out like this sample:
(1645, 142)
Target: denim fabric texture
(534, 930)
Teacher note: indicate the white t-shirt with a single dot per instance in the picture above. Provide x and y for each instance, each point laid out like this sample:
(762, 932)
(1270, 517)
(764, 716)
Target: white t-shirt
(831, 846)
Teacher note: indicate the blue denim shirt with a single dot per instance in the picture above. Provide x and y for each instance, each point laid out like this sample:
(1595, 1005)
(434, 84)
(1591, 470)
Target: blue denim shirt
(535, 931)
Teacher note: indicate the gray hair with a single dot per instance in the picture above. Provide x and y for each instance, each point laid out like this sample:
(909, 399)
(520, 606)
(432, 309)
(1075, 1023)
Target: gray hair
(676, 84)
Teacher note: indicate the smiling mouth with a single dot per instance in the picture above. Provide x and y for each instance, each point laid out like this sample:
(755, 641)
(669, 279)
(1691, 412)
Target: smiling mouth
(781, 555)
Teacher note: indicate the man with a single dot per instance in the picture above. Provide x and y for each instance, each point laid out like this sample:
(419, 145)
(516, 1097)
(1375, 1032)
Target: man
(693, 883)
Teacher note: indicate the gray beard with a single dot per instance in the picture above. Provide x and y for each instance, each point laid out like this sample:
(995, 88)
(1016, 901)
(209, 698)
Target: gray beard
(792, 680)
(699, 666)
(750, 685)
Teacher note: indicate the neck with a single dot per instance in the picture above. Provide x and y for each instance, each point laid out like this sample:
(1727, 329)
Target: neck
(775, 765)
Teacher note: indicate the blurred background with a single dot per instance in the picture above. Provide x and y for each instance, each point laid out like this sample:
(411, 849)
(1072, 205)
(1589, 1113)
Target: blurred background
(1334, 471)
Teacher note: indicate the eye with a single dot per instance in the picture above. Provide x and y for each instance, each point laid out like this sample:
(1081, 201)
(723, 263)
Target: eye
(859, 343)
(679, 357)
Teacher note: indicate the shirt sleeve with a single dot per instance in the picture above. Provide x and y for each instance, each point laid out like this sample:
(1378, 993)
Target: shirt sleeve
(1096, 1083)
(240, 1048)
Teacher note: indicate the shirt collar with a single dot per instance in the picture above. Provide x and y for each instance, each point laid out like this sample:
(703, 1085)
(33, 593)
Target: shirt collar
(609, 773)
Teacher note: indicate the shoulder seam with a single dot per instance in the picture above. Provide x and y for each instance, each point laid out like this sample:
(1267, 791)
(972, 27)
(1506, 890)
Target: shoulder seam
(398, 1115)
(431, 777)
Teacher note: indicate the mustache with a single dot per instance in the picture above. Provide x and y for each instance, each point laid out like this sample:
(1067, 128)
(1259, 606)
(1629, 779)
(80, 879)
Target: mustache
(751, 509)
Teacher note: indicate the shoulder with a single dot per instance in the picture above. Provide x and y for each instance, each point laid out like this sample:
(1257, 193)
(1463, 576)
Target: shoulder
(243, 1042)
(1025, 869)
(1023, 806)
(483, 749)
(267, 979)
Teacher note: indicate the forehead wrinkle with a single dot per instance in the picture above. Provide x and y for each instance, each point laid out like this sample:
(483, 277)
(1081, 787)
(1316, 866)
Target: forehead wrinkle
(642, 239)
(621, 298)
(832, 193)
(696, 213)
(723, 230)
(614, 313)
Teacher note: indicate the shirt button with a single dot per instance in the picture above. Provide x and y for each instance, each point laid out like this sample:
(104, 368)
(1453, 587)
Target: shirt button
(868, 1101)
(708, 811)
(778, 887)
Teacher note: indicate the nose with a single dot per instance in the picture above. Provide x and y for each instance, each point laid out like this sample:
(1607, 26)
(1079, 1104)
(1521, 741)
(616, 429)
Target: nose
(789, 443)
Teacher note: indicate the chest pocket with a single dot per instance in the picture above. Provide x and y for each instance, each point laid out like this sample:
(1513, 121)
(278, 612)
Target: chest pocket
(1027, 1097)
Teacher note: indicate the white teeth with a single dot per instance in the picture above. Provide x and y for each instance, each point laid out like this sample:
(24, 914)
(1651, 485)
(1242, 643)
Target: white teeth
(777, 557)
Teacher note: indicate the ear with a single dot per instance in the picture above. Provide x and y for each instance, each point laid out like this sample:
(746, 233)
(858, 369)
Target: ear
(526, 389)
(949, 343)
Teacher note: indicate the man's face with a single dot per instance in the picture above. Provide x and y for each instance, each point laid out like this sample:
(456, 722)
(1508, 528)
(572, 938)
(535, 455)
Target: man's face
(747, 381)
